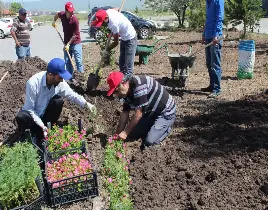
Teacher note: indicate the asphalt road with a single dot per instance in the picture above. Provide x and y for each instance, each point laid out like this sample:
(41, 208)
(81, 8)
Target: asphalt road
(45, 43)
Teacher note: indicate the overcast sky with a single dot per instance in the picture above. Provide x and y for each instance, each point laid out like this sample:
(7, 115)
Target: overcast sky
(80, 4)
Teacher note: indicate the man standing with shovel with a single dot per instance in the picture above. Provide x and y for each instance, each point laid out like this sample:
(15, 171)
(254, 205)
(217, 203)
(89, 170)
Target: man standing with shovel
(120, 26)
(212, 32)
(72, 38)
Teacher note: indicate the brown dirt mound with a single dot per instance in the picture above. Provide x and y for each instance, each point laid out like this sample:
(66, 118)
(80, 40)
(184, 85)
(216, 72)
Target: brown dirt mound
(12, 90)
(218, 162)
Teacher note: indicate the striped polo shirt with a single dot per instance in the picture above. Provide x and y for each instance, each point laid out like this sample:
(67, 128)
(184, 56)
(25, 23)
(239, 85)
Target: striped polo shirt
(147, 93)
(22, 31)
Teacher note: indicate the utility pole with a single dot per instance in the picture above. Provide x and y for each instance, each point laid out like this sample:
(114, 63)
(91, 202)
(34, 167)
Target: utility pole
(88, 5)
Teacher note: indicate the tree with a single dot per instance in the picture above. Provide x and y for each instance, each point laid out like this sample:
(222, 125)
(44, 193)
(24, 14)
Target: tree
(14, 7)
(196, 14)
(136, 10)
(177, 6)
(247, 12)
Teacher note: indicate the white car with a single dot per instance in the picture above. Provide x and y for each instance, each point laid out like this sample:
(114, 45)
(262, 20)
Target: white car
(4, 29)
(31, 22)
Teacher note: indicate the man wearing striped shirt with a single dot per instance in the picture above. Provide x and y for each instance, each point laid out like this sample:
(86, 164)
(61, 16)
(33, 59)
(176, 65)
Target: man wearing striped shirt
(21, 35)
(155, 109)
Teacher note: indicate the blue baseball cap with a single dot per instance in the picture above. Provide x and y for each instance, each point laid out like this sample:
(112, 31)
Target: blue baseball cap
(57, 66)
(22, 11)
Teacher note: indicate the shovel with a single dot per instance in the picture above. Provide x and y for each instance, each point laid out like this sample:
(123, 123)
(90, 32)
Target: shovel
(69, 56)
(94, 78)
(207, 45)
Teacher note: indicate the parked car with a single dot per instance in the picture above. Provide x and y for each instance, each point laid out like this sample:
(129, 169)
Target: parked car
(143, 27)
(4, 29)
(31, 22)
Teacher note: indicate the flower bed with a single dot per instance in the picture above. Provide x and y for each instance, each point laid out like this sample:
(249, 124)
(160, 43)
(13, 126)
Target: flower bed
(117, 175)
(18, 171)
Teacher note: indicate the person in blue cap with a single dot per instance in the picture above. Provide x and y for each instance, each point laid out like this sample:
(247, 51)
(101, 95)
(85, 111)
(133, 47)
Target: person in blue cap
(44, 99)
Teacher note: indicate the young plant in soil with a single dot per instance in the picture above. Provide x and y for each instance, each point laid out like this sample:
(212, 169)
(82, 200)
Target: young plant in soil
(117, 175)
(64, 138)
(68, 166)
(18, 170)
(110, 59)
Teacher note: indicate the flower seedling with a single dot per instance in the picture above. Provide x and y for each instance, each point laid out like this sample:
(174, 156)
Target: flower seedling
(64, 138)
(117, 175)
(68, 166)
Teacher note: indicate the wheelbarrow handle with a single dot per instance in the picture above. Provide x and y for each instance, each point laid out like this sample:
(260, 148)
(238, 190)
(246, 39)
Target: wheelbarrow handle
(159, 48)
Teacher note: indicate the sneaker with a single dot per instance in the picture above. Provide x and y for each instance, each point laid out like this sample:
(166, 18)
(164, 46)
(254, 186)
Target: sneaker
(207, 89)
(213, 95)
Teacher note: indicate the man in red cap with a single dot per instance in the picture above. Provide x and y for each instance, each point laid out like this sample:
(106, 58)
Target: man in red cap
(155, 109)
(72, 38)
(120, 26)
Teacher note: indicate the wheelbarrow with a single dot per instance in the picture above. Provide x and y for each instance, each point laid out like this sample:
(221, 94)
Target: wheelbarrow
(181, 63)
(144, 51)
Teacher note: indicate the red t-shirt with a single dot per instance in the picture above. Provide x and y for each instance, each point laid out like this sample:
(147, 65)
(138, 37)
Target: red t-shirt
(70, 27)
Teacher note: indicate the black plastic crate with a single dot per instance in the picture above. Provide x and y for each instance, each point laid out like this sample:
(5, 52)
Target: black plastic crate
(35, 205)
(38, 202)
(71, 189)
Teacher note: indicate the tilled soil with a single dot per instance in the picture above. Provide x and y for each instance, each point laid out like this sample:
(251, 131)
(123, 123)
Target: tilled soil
(12, 90)
(215, 157)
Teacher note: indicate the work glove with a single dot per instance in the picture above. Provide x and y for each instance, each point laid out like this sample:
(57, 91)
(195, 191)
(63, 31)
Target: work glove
(54, 24)
(45, 131)
(104, 53)
(91, 108)
(67, 47)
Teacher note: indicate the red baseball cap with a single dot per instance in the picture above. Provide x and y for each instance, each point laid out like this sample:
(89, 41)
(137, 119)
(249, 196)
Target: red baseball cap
(69, 7)
(100, 17)
(113, 80)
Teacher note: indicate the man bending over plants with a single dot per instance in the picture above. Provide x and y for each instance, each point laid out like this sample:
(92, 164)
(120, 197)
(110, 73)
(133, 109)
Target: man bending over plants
(120, 26)
(44, 99)
(155, 109)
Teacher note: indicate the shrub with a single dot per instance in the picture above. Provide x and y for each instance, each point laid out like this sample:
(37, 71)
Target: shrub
(18, 171)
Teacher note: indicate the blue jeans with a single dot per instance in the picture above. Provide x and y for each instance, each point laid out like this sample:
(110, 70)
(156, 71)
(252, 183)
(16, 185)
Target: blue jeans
(76, 51)
(213, 62)
(23, 52)
(127, 56)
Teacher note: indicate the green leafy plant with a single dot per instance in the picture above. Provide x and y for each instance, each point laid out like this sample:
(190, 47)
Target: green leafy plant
(247, 12)
(18, 171)
(64, 138)
(116, 174)
(196, 14)
(101, 42)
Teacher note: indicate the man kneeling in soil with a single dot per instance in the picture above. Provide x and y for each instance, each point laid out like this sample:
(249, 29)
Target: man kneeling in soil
(155, 109)
(44, 99)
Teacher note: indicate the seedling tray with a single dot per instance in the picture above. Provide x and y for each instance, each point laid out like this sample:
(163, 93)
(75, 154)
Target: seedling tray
(71, 189)
(35, 205)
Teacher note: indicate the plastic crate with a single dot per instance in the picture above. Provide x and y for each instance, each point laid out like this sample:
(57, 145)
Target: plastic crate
(35, 205)
(69, 190)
